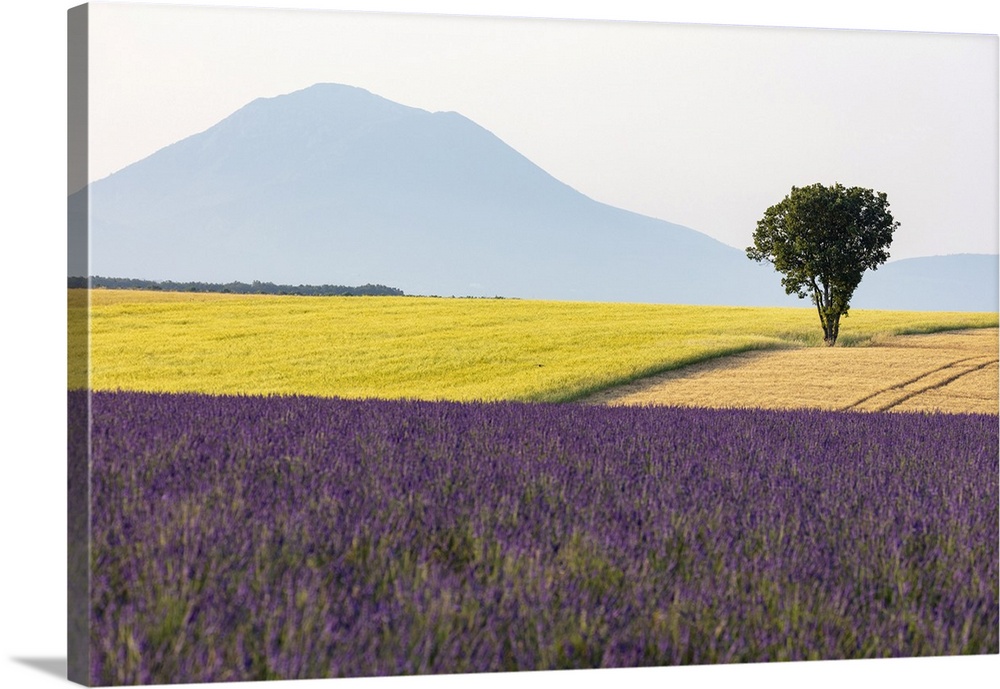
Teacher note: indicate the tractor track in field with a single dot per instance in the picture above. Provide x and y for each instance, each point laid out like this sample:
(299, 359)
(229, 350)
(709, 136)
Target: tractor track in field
(894, 395)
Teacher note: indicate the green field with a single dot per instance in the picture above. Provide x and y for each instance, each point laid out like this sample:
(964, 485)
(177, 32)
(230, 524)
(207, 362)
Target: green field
(428, 348)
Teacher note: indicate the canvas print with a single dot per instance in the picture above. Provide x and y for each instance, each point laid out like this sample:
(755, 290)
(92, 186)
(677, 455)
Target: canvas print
(411, 344)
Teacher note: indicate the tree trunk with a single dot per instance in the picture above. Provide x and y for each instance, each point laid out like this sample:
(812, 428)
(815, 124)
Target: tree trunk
(827, 317)
(831, 328)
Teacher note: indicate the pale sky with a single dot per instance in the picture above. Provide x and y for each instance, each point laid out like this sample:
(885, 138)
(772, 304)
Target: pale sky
(705, 126)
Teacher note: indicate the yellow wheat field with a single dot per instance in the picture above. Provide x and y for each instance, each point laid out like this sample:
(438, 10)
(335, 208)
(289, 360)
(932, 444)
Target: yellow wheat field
(954, 372)
(430, 348)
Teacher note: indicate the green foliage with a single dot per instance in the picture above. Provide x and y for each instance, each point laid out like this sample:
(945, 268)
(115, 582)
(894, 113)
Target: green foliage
(823, 239)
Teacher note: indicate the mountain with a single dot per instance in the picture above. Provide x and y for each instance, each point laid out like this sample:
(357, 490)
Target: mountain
(335, 185)
(959, 282)
(332, 184)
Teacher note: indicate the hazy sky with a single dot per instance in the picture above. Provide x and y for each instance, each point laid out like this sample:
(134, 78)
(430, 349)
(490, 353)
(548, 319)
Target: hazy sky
(705, 126)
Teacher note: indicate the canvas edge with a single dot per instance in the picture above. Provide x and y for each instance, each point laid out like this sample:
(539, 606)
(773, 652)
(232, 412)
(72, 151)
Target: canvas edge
(78, 354)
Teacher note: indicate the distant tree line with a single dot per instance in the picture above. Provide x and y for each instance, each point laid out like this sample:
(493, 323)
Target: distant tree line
(255, 287)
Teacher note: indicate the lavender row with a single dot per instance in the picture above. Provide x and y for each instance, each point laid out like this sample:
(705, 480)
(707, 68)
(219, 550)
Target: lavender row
(244, 538)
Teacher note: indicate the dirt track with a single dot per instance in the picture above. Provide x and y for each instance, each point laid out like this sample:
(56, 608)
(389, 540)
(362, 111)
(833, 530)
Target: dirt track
(952, 372)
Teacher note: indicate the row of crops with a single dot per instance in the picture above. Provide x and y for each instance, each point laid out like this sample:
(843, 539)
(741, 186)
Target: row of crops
(243, 537)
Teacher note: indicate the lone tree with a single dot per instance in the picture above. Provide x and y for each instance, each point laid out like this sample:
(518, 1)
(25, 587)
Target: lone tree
(823, 239)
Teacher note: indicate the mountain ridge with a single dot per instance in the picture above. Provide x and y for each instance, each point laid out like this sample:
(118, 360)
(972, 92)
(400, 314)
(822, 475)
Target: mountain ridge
(335, 185)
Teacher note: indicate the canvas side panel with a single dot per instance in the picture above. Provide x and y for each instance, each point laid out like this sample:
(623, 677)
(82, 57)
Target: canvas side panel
(78, 348)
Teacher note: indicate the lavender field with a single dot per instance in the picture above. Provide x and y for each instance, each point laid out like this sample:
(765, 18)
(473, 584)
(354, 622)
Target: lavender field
(239, 538)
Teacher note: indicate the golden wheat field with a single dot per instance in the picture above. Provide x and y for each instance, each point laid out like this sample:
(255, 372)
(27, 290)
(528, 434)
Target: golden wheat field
(430, 348)
(953, 371)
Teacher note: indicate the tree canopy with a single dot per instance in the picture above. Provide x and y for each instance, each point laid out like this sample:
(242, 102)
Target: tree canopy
(823, 239)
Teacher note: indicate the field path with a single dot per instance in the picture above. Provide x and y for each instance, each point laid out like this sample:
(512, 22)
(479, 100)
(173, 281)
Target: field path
(955, 371)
